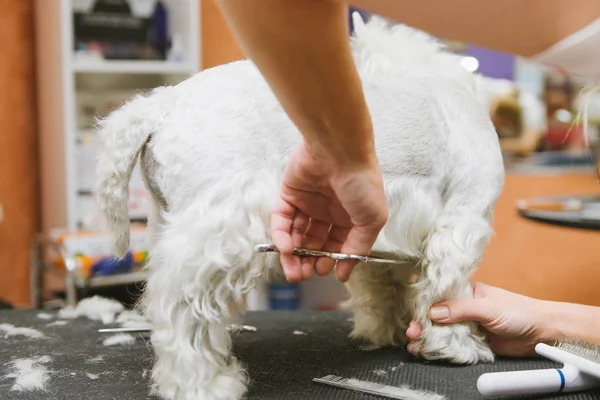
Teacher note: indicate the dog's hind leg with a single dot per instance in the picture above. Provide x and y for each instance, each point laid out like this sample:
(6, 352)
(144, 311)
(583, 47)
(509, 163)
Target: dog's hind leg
(150, 169)
(460, 234)
(452, 251)
(379, 303)
(200, 270)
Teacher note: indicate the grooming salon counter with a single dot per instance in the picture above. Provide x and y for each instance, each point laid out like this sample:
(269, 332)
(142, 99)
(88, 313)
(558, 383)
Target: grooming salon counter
(537, 258)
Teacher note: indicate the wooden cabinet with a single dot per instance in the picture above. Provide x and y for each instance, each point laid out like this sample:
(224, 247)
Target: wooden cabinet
(18, 150)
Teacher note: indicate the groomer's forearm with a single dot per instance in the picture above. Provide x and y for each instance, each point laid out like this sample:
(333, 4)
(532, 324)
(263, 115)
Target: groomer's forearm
(574, 321)
(302, 49)
(522, 27)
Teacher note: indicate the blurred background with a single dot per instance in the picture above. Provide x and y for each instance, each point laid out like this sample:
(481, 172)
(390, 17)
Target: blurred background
(66, 62)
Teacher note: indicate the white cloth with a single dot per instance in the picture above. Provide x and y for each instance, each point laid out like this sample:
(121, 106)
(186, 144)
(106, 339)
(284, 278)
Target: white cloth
(578, 54)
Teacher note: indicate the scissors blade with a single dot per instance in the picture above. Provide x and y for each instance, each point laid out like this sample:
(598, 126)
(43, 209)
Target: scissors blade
(365, 259)
(377, 260)
(298, 251)
(335, 256)
(266, 248)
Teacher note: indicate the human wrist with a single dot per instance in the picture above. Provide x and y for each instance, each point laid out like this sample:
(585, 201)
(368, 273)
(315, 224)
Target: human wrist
(346, 151)
(561, 320)
(550, 321)
(569, 320)
(342, 159)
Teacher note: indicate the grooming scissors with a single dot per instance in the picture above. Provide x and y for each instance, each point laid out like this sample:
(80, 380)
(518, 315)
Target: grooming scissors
(303, 252)
(126, 330)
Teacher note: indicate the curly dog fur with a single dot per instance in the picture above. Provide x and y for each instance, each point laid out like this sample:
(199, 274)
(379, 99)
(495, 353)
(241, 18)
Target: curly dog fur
(213, 149)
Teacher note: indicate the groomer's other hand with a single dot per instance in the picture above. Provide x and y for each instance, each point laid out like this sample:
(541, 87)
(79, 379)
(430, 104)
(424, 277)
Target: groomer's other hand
(329, 204)
(514, 323)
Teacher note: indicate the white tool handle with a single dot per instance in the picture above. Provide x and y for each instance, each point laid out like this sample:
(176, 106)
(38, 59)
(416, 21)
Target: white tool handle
(564, 357)
(514, 383)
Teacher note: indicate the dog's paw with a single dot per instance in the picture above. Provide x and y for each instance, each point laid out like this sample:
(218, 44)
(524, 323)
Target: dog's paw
(228, 385)
(381, 335)
(457, 343)
(223, 387)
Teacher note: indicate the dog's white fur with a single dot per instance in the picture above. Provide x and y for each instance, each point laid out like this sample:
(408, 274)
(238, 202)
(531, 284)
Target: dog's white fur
(213, 151)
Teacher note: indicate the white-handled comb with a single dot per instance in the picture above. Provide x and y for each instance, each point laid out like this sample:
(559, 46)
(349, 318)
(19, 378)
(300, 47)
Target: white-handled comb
(580, 371)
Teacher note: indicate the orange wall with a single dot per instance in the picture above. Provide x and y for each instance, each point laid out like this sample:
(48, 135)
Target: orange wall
(539, 260)
(18, 157)
(527, 257)
(218, 45)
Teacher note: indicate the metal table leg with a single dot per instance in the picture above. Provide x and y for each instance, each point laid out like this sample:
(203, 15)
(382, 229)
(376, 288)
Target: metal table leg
(35, 272)
(38, 267)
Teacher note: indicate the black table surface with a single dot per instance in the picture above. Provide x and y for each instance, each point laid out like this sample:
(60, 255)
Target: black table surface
(281, 364)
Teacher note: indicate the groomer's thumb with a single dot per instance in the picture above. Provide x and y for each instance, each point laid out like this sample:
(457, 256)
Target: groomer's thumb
(463, 310)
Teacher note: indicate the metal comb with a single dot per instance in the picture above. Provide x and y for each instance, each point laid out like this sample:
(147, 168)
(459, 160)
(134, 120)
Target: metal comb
(303, 252)
(377, 389)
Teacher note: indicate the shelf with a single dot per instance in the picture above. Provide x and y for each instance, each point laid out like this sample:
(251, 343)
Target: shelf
(113, 280)
(131, 67)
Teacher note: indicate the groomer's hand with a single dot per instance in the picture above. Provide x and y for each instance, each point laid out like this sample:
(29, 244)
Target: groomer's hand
(514, 323)
(327, 203)
(333, 179)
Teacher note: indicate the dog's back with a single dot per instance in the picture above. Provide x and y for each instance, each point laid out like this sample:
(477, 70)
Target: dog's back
(221, 139)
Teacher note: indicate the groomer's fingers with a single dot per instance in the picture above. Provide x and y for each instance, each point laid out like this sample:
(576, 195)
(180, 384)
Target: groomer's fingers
(299, 226)
(282, 219)
(480, 310)
(359, 241)
(315, 236)
(414, 331)
(335, 240)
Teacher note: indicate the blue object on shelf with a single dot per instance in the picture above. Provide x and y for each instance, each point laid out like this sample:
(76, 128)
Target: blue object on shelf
(113, 266)
(284, 296)
(160, 28)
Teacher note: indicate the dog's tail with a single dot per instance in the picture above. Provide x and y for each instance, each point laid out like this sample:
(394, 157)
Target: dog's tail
(122, 135)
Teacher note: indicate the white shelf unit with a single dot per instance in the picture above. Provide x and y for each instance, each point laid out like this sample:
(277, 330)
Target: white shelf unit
(131, 67)
(64, 76)
(60, 77)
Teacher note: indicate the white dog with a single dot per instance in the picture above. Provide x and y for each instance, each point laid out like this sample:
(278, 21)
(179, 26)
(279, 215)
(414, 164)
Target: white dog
(213, 150)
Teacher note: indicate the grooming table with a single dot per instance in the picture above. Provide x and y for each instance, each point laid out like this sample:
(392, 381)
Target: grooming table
(281, 363)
